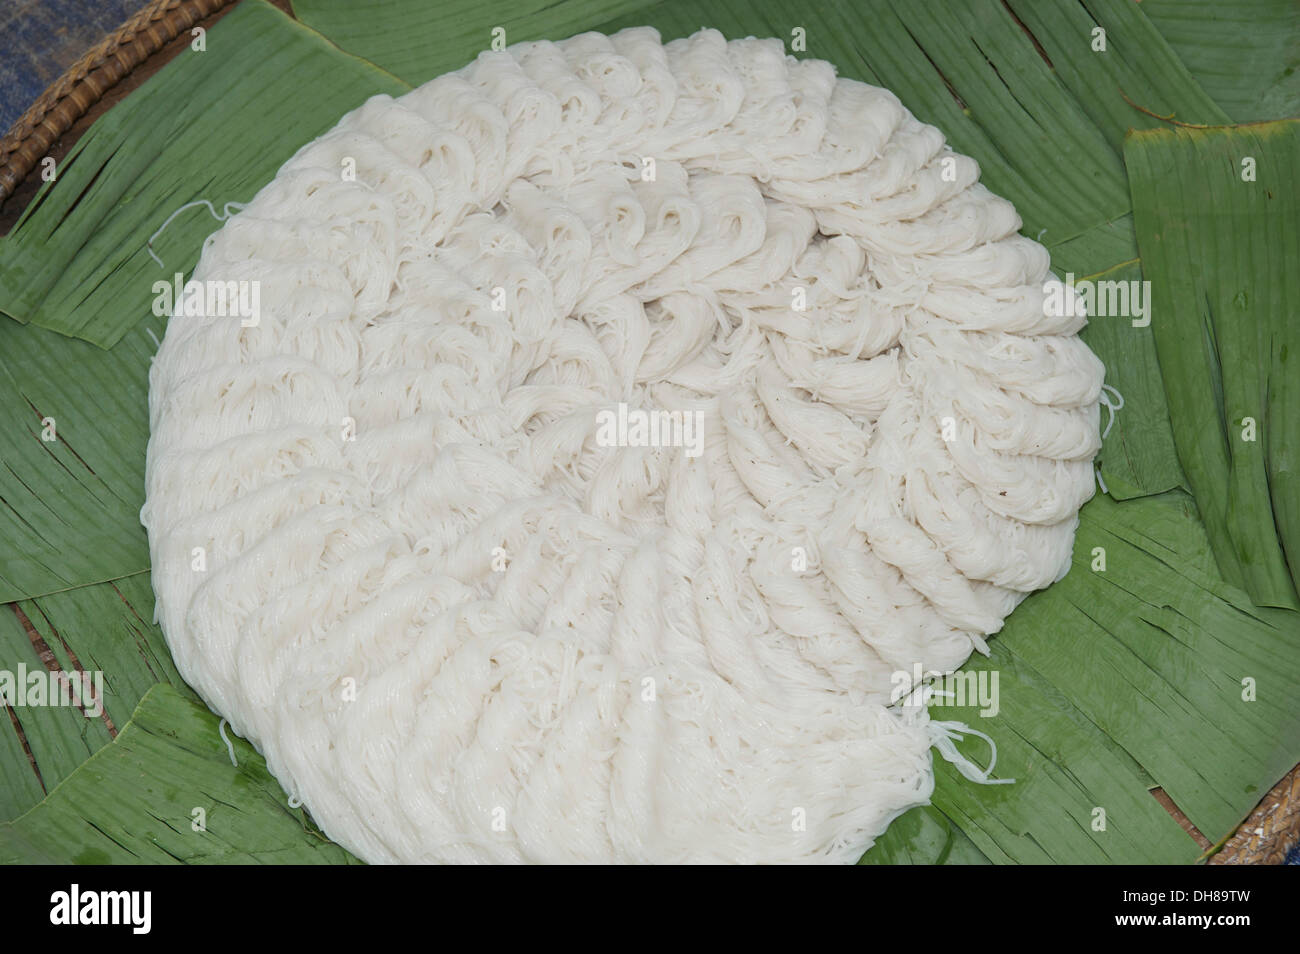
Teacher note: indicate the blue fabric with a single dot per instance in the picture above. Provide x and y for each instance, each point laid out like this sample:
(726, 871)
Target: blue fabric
(39, 39)
(1293, 856)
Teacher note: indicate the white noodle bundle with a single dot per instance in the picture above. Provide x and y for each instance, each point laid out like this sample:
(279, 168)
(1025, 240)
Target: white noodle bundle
(390, 548)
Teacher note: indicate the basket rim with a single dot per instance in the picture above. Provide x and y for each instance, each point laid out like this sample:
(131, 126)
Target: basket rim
(86, 81)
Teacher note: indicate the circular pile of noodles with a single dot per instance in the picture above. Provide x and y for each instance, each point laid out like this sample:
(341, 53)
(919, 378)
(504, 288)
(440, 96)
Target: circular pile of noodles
(391, 545)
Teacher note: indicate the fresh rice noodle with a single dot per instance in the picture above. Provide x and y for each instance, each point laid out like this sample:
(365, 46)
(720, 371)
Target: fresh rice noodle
(390, 548)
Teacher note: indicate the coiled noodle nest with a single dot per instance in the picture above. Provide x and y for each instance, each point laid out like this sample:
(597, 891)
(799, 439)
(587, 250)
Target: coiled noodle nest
(390, 547)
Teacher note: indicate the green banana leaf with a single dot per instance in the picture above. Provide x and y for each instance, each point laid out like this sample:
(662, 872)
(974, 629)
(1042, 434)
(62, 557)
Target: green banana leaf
(1246, 54)
(159, 794)
(73, 444)
(925, 836)
(1138, 455)
(1148, 665)
(106, 628)
(213, 124)
(1218, 217)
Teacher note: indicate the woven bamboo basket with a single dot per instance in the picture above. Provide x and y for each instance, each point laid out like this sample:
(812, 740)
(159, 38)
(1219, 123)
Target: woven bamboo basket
(147, 41)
